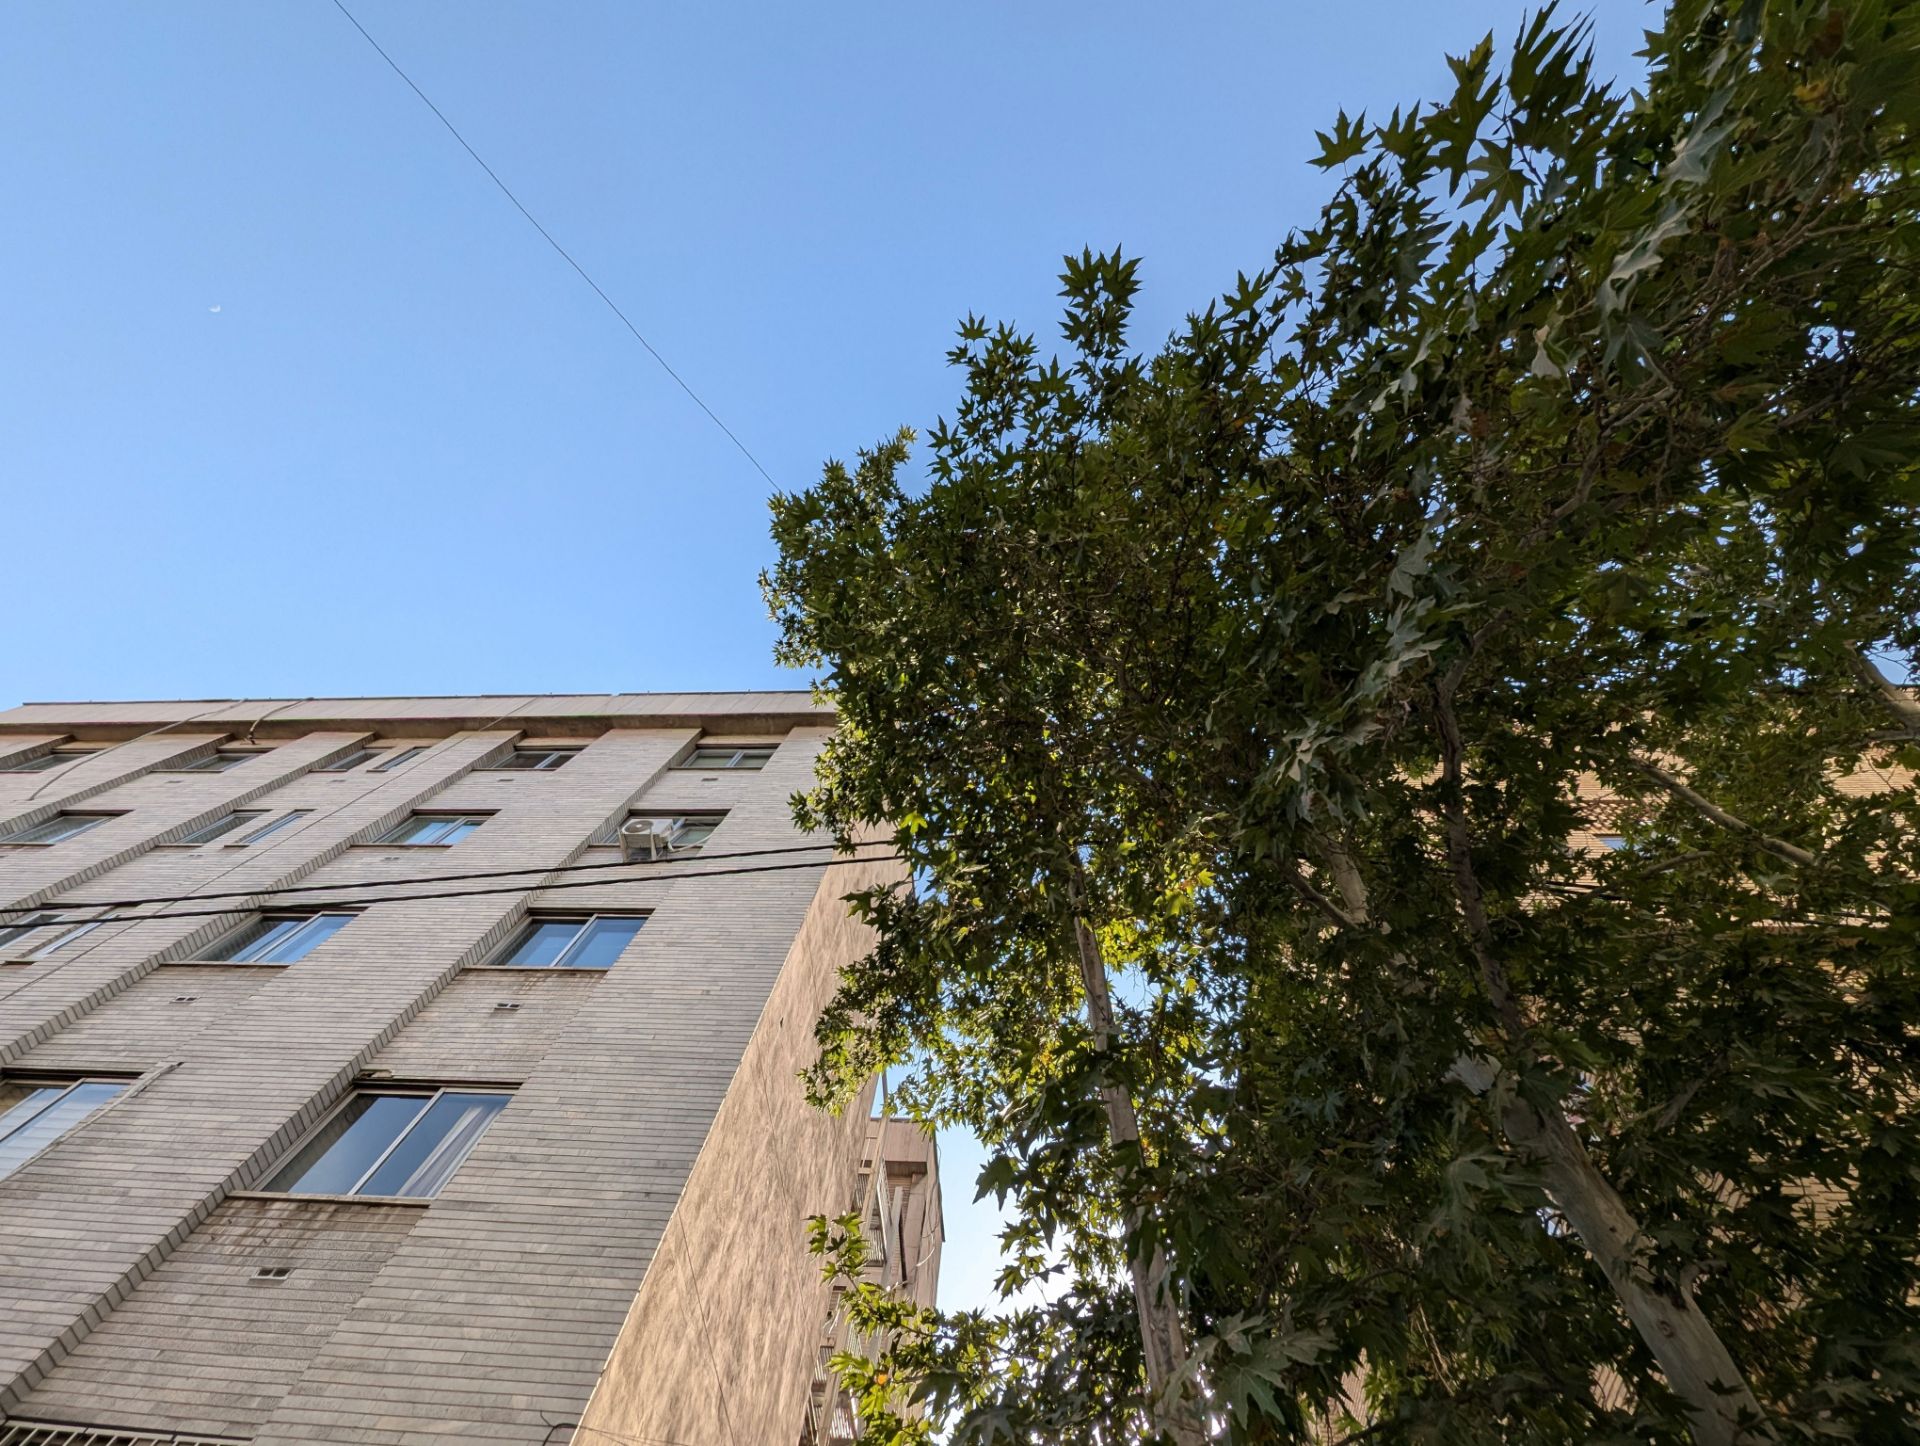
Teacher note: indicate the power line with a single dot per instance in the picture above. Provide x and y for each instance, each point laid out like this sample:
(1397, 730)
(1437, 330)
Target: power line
(565, 255)
(480, 893)
(542, 869)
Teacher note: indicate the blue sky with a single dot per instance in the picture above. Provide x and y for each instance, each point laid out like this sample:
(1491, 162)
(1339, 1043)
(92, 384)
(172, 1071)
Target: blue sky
(292, 402)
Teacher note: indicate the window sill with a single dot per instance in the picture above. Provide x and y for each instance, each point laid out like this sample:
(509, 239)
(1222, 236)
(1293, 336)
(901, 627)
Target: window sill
(592, 973)
(415, 1201)
(228, 963)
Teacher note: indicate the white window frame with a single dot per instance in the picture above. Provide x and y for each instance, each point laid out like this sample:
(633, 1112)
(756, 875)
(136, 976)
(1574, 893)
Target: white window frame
(35, 763)
(218, 761)
(69, 1082)
(399, 756)
(609, 837)
(11, 934)
(558, 756)
(306, 916)
(218, 828)
(88, 822)
(350, 760)
(585, 922)
(387, 839)
(271, 827)
(430, 1093)
(747, 757)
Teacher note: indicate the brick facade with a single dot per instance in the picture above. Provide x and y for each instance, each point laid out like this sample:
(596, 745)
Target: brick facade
(625, 1244)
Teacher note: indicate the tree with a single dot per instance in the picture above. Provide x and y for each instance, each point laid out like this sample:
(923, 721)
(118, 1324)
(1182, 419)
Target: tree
(1560, 479)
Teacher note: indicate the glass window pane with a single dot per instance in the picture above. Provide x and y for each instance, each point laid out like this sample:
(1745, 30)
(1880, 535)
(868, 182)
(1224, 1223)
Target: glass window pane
(60, 941)
(434, 1148)
(694, 831)
(218, 762)
(207, 832)
(267, 830)
(48, 761)
(20, 1102)
(753, 758)
(518, 759)
(52, 1121)
(249, 943)
(410, 830)
(348, 761)
(310, 935)
(332, 1162)
(543, 942)
(33, 923)
(394, 760)
(60, 827)
(457, 829)
(601, 942)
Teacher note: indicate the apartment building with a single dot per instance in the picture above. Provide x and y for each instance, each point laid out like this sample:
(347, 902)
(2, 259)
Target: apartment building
(409, 1069)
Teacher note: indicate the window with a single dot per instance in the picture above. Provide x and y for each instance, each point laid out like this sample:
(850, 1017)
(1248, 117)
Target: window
(572, 941)
(221, 826)
(404, 1143)
(682, 832)
(40, 763)
(268, 830)
(1611, 841)
(11, 934)
(720, 755)
(64, 938)
(394, 760)
(538, 760)
(58, 829)
(434, 828)
(217, 762)
(35, 1113)
(278, 938)
(349, 760)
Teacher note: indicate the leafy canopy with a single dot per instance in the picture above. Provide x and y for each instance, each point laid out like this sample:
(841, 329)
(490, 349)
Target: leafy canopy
(1560, 477)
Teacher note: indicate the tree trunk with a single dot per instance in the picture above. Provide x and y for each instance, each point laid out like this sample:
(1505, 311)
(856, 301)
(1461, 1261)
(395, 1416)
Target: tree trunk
(1170, 1406)
(1698, 1367)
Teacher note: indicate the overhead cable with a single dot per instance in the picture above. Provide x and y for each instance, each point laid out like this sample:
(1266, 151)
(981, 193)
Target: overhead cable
(565, 255)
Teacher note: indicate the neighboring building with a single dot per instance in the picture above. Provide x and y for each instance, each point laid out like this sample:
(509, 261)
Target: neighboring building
(521, 1158)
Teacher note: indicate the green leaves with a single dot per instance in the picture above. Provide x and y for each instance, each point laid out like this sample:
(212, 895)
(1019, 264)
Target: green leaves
(1608, 457)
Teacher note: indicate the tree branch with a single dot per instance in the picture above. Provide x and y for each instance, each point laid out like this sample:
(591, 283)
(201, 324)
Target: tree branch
(1779, 848)
(1897, 699)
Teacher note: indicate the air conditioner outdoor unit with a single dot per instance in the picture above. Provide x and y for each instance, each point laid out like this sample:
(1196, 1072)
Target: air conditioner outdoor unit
(646, 838)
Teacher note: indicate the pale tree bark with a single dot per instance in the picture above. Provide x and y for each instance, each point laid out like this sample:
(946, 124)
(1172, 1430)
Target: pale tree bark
(1698, 1367)
(1707, 808)
(1171, 1404)
(1899, 701)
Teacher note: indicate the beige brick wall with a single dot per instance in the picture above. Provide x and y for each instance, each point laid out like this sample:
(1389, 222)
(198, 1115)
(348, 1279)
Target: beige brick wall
(662, 1090)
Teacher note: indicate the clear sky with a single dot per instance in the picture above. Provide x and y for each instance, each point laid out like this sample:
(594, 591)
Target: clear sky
(293, 403)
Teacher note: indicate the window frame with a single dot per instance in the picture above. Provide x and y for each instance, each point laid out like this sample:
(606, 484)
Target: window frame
(608, 837)
(586, 920)
(34, 1080)
(36, 920)
(218, 761)
(398, 756)
(91, 821)
(216, 828)
(269, 917)
(431, 1093)
(469, 816)
(564, 753)
(353, 758)
(738, 754)
(51, 759)
(271, 827)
